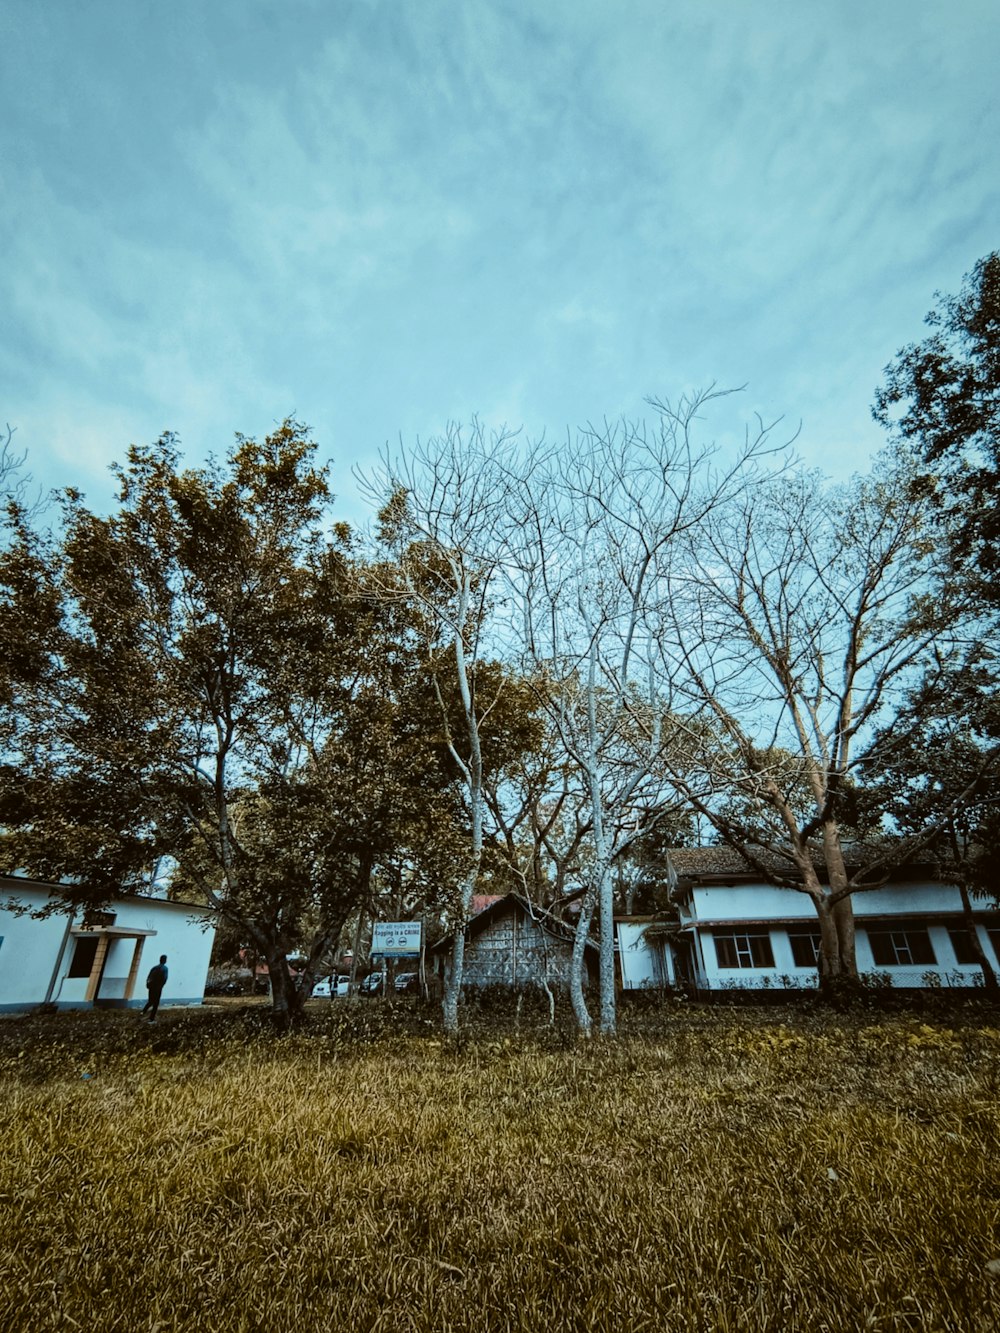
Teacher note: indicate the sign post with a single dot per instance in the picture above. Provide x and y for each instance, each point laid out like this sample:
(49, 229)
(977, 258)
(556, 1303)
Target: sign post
(396, 939)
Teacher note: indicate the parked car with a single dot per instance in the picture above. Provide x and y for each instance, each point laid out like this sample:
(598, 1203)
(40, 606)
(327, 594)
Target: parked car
(373, 984)
(331, 987)
(408, 983)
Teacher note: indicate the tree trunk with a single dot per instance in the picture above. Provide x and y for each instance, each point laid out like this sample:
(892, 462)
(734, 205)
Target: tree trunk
(453, 988)
(828, 962)
(286, 1001)
(577, 963)
(280, 984)
(843, 915)
(352, 987)
(453, 985)
(838, 967)
(836, 963)
(604, 881)
(609, 1025)
(843, 910)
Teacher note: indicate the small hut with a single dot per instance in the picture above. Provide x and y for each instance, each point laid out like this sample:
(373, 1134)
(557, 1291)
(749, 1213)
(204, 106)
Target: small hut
(516, 944)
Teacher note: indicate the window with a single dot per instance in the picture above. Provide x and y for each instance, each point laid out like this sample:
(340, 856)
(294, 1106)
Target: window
(83, 958)
(748, 949)
(961, 942)
(805, 947)
(901, 948)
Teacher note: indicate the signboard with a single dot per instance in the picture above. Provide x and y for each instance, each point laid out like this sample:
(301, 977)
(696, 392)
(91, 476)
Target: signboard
(396, 939)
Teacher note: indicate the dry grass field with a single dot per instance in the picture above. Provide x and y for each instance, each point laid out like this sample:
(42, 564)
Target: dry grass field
(713, 1169)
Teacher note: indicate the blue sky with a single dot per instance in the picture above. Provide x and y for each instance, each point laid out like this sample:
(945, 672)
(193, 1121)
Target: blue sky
(384, 216)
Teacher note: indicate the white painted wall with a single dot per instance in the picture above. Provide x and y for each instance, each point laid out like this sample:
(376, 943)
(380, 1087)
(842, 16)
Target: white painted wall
(777, 908)
(741, 902)
(759, 902)
(179, 935)
(911, 899)
(32, 952)
(30, 949)
(645, 964)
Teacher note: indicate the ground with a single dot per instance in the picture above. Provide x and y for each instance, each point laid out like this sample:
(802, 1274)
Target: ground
(713, 1169)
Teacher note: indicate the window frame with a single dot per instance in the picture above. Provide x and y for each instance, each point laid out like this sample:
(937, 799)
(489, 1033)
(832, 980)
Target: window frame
(960, 938)
(798, 937)
(748, 950)
(901, 946)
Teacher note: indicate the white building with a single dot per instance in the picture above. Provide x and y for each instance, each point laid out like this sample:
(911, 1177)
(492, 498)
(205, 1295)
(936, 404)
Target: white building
(57, 960)
(735, 931)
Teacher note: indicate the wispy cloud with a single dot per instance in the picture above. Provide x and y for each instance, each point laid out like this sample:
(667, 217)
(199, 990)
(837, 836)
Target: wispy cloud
(385, 216)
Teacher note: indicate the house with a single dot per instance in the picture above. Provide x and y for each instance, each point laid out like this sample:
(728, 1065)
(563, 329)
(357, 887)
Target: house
(735, 931)
(512, 942)
(59, 960)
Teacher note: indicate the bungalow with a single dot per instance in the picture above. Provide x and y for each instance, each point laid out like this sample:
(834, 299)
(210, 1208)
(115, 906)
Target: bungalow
(735, 931)
(60, 960)
(512, 942)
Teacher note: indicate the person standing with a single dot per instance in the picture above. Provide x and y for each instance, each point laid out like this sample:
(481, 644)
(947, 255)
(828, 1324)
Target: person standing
(155, 982)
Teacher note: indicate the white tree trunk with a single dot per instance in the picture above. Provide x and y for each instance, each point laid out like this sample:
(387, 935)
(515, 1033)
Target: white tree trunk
(578, 964)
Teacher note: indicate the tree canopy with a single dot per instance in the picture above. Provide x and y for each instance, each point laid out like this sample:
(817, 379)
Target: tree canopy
(202, 679)
(538, 668)
(942, 395)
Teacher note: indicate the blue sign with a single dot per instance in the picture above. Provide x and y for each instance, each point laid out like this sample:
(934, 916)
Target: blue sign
(396, 939)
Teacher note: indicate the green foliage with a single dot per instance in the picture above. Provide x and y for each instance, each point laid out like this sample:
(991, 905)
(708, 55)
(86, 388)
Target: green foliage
(204, 681)
(943, 394)
(936, 773)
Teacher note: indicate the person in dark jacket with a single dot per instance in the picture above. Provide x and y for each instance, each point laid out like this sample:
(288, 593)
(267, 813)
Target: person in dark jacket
(155, 982)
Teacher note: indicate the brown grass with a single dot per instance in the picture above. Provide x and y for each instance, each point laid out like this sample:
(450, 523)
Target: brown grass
(709, 1171)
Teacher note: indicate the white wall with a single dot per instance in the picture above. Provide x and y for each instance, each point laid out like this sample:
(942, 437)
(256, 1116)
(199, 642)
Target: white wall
(760, 902)
(908, 899)
(30, 952)
(645, 964)
(741, 902)
(178, 935)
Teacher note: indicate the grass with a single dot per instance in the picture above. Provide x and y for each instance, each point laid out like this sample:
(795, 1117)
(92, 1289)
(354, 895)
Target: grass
(718, 1169)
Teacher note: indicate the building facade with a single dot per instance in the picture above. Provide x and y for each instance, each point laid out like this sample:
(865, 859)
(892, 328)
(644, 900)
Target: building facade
(59, 960)
(733, 931)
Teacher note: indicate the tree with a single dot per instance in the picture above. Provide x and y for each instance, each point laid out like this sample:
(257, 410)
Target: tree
(14, 481)
(942, 396)
(802, 614)
(593, 546)
(186, 678)
(444, 510)
(10, 463)
(540, 815)
(937, 777)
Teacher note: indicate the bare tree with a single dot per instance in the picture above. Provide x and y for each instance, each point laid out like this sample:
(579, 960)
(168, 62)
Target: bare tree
(800, 615)
(541, 818)
(594, 547)
(445, 508)
(541, 821)
(15, 483)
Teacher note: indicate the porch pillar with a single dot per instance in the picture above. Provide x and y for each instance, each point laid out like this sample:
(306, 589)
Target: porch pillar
(133, 971)
(95, 972)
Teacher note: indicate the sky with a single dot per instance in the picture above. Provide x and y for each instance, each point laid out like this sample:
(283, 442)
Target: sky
(380, 216)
